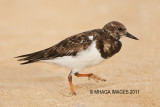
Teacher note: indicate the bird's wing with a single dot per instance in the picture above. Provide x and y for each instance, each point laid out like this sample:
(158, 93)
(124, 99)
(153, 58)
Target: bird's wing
(67, 47)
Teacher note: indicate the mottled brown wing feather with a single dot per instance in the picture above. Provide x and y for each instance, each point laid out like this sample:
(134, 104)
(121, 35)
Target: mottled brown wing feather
(68, 47)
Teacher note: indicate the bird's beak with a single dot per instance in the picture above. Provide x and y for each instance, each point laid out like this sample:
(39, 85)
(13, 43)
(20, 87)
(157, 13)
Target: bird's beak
(131, 36)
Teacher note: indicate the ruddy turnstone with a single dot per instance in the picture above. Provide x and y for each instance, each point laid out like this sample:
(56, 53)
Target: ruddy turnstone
(83, 50)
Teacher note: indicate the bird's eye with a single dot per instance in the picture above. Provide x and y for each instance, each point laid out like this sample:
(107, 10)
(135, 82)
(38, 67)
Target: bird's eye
(120, 29)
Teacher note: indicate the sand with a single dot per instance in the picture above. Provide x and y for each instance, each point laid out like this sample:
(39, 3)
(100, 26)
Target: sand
(31, 25)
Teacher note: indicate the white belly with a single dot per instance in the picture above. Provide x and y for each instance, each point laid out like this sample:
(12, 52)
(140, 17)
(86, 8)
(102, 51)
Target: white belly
(89, 57)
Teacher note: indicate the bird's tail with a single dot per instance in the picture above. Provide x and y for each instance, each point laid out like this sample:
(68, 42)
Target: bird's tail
(30, 58)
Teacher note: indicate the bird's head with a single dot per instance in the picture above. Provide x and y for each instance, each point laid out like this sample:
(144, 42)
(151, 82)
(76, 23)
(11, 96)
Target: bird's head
(117, 30)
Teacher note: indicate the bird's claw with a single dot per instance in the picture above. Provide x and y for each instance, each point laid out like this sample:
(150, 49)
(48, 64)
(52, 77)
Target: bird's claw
(73, 93)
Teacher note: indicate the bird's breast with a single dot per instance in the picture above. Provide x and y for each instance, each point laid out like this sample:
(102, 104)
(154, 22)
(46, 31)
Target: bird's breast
(112, 48)
(108, 49)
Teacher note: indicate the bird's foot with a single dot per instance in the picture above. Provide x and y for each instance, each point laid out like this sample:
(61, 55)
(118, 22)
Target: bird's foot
(73, 93)
(95, 77)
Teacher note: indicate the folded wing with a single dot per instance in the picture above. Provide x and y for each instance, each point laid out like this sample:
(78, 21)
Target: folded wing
(68, 47)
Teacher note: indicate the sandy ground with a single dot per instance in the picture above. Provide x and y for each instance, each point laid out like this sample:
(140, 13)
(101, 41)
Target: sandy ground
(31, 25)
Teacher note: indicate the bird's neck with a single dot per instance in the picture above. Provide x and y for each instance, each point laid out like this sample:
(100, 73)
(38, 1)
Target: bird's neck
(111, 36)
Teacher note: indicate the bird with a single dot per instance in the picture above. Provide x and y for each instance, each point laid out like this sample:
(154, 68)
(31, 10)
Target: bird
(82, 50)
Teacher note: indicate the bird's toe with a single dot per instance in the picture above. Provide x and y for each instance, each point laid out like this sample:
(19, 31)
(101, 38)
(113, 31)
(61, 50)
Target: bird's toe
(103, 80)
(73, 93)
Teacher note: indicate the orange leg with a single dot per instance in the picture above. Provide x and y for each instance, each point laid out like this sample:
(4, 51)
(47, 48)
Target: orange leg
(70, 83)
(93, 76)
